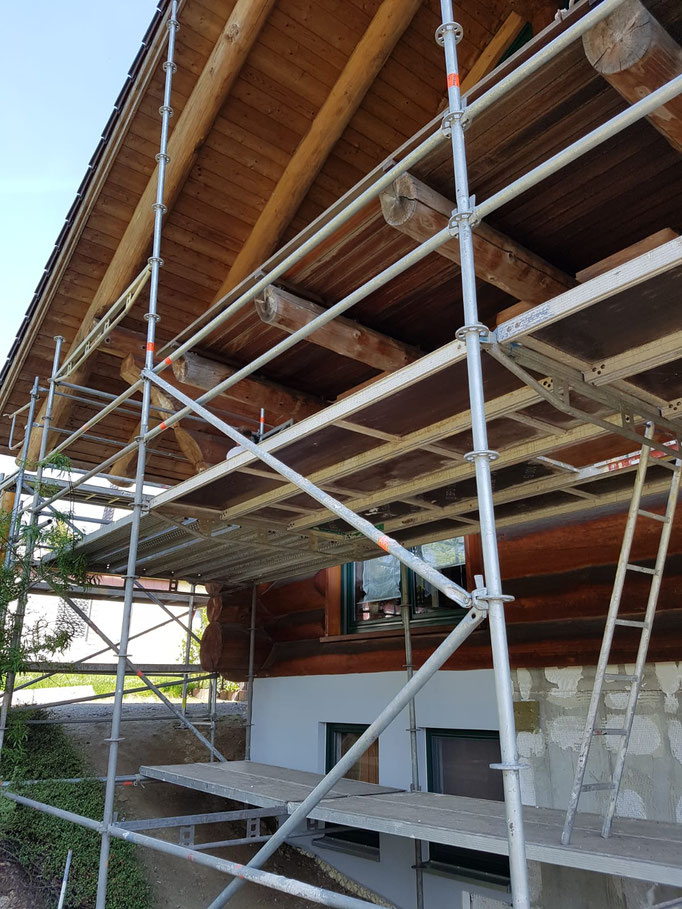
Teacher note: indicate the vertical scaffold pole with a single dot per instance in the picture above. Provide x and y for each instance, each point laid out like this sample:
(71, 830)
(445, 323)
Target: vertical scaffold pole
(449, 34)
(412, 716)
(15, 628)
(249, 692)
(188, 649)
(152, 317)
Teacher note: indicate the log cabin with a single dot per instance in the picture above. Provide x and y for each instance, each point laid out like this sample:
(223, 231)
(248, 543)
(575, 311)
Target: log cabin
(310, 153)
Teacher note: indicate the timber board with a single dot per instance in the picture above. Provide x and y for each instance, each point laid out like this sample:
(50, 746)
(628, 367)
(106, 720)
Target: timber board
(256, 784)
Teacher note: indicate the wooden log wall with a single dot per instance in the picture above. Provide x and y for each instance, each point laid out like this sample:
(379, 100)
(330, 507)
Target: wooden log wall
(561, 577)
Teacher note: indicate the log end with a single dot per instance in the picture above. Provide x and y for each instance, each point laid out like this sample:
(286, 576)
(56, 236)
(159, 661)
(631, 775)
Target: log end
(398, 204)
(618, 42)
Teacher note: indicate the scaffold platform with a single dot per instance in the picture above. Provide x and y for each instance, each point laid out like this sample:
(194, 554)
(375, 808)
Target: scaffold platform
(639, 849)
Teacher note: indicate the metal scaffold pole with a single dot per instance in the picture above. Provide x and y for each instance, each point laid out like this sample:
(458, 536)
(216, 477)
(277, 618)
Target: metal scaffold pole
(152, 317)
(14, 628)
(188, 649)
(448, 35)
(412, 715)
(249, 692)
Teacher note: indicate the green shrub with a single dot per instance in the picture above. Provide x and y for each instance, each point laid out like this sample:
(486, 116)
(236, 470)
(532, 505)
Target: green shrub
(41, 842)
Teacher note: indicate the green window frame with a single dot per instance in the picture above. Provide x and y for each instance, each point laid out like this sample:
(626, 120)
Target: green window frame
(418, 593)
(471, 864)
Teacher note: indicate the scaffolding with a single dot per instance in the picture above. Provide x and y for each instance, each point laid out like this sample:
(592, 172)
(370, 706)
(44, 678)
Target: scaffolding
(150, 538)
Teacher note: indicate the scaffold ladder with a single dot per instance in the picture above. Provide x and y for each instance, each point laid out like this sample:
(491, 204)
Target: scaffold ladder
(644, 623)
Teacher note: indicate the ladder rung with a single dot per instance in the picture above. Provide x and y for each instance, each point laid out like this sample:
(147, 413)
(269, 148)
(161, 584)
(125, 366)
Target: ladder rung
(619, 677)
(641, 568)
(607, 730)
(652, 514)
(631, 623)
(597, 787)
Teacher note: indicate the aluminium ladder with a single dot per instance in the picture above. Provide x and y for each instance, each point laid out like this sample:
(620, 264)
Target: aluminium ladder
(623, 731)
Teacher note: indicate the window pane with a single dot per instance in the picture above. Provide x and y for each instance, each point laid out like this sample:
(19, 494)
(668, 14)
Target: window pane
(376, 593)
(340, 738)
(461, 766)
(366, 769)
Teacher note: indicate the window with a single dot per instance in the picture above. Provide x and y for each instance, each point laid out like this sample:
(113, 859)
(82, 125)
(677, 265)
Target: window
(459, 764)
(372, 590)
(341, 737)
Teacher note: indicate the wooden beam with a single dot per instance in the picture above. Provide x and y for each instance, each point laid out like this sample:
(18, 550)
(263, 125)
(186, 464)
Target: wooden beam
(370, 54)
(203, 373)
(289, 313)
(490, 56)
(186, 140)
(624, 255)
(201, 449)
(636, 55)
(419, 212)
(280, 403)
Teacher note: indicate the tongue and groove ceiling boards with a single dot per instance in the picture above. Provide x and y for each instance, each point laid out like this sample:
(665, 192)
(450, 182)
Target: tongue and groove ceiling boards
(575, 271)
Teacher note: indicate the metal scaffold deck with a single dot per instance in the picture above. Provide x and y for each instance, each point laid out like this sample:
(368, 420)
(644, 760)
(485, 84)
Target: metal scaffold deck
(308, 495)
(639, 849)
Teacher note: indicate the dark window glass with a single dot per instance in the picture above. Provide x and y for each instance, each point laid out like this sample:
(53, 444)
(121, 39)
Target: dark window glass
(341, 737)
(372, 590)
(458, 764)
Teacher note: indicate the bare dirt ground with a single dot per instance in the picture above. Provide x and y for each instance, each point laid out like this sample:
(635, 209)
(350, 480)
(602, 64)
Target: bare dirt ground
(178, 884)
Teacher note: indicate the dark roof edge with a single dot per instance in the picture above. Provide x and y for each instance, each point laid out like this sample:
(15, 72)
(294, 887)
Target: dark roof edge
(85, 183)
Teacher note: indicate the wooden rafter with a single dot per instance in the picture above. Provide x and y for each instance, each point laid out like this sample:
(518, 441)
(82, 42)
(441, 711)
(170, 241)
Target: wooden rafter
(636, 55)
(370, 54)
(418, 211)
(209, 94)
(289, 313)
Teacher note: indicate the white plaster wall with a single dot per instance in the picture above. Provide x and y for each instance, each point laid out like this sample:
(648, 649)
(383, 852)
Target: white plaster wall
(652, 780)
(289, 729)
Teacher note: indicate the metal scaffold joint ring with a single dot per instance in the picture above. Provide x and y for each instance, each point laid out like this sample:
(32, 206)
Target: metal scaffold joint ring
(449, 27)
(166, 109)
(159, 206)
(477, 327)
(162, 157)
(453, 116)
(155, 260)
(151, 317)
(481, 453)
(173, 23)
(169, 65)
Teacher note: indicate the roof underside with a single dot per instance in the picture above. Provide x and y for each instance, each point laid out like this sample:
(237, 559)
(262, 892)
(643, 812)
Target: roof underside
(392, 451)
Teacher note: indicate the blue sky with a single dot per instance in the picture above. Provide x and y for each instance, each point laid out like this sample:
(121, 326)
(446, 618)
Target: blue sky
(61, 69)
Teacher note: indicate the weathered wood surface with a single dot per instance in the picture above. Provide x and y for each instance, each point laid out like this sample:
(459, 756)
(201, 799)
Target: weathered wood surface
(290, 312)
(208, 95)
(419, 211)
(636, 55)
(368, 57)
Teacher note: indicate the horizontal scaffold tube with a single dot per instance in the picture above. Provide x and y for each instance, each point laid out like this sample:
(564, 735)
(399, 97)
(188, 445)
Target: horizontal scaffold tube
(434, 577)
(607, 130)
(457, 636)
(274, 881)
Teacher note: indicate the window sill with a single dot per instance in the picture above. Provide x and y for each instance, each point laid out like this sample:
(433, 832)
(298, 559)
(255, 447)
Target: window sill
(456, 872)
(396, 632)
(371, 853)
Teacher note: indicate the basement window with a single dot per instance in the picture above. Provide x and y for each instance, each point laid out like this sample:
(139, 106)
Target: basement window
(458, 763)
(341, 737)
(371, 591)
